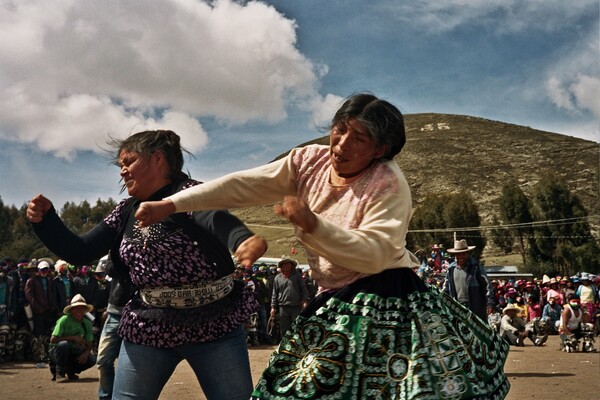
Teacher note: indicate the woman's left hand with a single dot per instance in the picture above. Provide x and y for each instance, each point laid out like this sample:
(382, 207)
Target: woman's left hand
(251, 250)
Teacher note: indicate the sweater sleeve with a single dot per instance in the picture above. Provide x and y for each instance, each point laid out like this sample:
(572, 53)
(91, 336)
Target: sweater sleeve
(377, 244)
(70, 247)
(258, 186)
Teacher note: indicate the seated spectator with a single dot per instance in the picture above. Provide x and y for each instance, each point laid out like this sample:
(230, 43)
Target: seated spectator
(554, 291)
(494, 318)
(572, 320)
(523, 308)
(71, 342)
(551, 315)
(514, 330)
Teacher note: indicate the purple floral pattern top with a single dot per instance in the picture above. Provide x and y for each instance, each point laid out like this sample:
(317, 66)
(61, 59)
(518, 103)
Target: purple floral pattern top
(165, 256)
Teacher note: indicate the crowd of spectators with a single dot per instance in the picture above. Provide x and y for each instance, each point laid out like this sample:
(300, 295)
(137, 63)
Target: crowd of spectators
(33, 296)
(34, 293)
(525, 308)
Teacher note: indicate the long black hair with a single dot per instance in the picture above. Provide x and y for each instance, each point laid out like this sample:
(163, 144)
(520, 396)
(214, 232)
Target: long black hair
(147, 143)
(384, 122)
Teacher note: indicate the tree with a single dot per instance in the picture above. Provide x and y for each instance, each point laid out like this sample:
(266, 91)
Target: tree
(442, 213)
(428, 216)
(565, 244)
(76, 218)
(502, 237)
(5, 225)
(515, 209)
(461, 211)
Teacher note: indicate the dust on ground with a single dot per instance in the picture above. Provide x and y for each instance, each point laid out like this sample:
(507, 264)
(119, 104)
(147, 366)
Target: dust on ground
(535, 373)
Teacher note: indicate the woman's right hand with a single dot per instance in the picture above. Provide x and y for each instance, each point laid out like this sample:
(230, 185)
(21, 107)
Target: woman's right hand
(37, 208)
(150, 212)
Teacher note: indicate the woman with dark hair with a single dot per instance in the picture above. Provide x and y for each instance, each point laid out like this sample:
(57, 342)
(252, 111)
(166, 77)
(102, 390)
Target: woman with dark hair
(374, 329)
(187, 304)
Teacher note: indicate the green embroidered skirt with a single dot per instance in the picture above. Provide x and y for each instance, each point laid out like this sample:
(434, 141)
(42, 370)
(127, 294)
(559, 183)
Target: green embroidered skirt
(388, 336)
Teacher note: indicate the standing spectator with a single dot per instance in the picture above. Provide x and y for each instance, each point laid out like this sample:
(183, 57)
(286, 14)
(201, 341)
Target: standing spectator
(588, 295)
(263, 292)
(8, 296)
(290, 294)
(101, 302)
(39, 291)
(569, 288)
(8, 302)
(24, 326)
(310, 283)
(63, 284)
(467, 282)
(437, 256)
(85, 284)
(71, 342)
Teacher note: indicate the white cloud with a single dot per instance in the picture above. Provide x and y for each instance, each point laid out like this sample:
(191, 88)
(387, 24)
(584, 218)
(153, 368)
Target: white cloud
(73, 71)
(558, 94)
(586, 90)
(323, 109)
(572, 81)
(502, 16)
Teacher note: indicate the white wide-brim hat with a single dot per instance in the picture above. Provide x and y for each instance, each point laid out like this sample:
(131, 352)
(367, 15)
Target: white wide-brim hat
(77, 301)
(460, 246)
(510, 306)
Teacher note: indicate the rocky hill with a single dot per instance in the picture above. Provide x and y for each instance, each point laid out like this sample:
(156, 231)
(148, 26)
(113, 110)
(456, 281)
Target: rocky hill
(446, 153)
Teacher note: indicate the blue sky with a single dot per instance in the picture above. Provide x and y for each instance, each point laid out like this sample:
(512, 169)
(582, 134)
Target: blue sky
(242, 82)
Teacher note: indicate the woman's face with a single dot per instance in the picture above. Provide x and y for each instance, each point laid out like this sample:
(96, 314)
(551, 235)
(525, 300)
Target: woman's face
(139, 174)
(352, 149)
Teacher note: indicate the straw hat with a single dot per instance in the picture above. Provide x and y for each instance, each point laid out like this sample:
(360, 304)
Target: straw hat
(510, 306)
(77, 301)
(287, 260)
(460, 246)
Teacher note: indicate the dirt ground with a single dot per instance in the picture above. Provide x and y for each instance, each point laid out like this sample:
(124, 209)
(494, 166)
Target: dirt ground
(535, 373)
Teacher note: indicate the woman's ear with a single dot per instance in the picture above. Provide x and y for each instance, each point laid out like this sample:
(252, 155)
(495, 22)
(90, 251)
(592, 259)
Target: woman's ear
(380, 151)
(160, 161)
(158, 157)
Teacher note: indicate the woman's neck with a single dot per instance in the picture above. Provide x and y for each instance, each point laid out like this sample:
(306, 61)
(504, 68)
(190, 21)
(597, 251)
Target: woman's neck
(337, 180)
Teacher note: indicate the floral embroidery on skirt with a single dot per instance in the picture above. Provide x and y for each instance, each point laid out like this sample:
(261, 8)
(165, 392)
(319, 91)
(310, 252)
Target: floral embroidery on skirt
(425, 346)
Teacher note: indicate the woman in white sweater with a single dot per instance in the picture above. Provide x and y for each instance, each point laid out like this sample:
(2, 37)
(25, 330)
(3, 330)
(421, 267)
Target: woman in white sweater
(374, 329)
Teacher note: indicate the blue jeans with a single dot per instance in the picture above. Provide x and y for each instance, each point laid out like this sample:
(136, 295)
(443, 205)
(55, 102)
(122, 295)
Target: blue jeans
(222, 368)
(108, 350)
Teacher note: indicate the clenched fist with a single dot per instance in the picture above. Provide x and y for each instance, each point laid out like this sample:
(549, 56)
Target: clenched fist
(37, 208)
